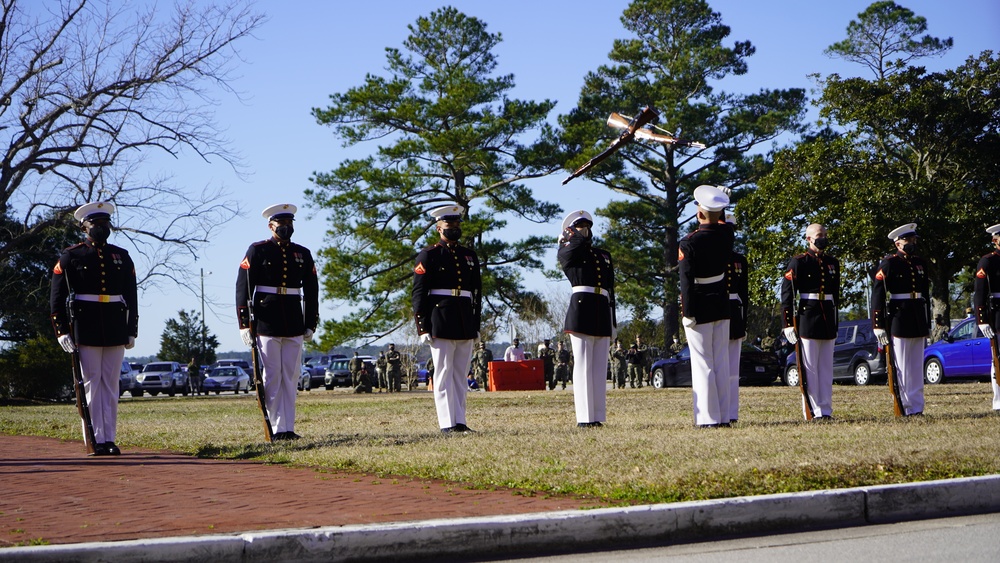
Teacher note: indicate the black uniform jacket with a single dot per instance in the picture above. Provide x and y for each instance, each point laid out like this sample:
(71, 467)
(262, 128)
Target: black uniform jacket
(589, 313)
(739, 285)
(268, 263)
(447, 267)
(987, 286)
(704, 255)
(88, 270)
(817, 274)
(902, 275)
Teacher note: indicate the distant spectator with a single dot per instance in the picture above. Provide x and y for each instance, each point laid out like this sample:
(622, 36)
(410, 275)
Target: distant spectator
(514, 353)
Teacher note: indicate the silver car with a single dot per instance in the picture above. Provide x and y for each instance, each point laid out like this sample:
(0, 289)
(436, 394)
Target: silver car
(167, 377)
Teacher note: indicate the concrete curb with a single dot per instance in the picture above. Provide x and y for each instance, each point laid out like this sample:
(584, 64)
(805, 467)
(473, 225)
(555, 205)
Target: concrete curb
(552, 532)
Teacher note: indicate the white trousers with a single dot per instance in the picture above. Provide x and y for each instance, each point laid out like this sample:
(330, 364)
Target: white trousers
(709, 345)
(910, 360)
(735, 348)
(101, 367)
(281, 358)
(452, 359)
(590, 376)
(817, 361)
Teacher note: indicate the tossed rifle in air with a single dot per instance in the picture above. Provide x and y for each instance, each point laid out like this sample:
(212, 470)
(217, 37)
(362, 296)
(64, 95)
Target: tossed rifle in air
(258, 378)
(647, 115)
(81, 392)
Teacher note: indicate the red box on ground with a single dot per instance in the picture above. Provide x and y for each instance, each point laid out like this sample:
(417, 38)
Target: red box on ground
(528, 375)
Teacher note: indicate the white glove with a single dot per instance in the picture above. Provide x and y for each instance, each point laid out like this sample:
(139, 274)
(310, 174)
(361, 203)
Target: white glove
(882, 336)
(66, 341)
(790, 335)
(247, 337)
(987, 330)
(308, 334)
(426, 338)
(131, 343)
(688, 322)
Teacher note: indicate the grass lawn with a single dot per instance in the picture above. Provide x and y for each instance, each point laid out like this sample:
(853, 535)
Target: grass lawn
(649, 450)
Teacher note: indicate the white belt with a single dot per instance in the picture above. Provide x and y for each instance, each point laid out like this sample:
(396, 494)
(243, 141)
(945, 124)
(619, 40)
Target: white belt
(100, 298)
(590, 289)
(451, 292)
(816, 296)
(735, 297)
(713, 279)
(995, 295)
(278, 290)
(898, 296)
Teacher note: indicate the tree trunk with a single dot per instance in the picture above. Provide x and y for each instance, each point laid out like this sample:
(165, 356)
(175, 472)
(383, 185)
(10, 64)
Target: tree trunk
(940, 305)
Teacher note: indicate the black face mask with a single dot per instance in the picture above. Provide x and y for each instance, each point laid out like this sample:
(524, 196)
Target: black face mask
(821, 243)
(910, 247)
(99, 233)
(452, 234)
(284, 232)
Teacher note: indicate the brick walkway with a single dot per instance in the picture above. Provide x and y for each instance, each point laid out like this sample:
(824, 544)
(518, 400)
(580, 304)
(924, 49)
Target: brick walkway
(50, 491)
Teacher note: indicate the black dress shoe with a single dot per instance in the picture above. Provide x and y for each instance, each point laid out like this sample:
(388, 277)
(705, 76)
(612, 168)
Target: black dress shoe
(448, 430)
(112, 448)
(463, 428)
(588, 424)
(100, 450)
(291, 436)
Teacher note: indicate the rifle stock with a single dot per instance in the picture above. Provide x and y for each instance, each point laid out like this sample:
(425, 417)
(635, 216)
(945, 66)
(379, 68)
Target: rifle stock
(258, 378)
(78, 387)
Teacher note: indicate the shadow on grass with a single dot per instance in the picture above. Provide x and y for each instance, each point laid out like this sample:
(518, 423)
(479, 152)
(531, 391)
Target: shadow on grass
(260, 450)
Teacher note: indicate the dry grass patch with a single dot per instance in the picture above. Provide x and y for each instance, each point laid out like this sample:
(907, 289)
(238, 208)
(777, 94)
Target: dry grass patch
(649, 451)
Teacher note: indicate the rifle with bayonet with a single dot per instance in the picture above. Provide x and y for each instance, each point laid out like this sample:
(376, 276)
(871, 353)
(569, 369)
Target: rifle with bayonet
(78, 386)
(800, 365)
(258, 378)
(891, 369)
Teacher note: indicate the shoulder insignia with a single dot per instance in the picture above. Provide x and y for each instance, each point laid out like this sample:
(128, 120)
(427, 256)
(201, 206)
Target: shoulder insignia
(980, 274)
(58, 269)
(789, 274)
(245, 264)
(680, 255)
(879, 275)
(420, 269)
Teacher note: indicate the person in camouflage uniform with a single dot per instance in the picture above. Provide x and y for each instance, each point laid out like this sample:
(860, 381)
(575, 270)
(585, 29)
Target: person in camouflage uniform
(646, 358)
(355, 365)
(635, 366)
(381, 365)
(481, 359)
(395, 362)
(548, 355)
(563, 360)
(619, 365)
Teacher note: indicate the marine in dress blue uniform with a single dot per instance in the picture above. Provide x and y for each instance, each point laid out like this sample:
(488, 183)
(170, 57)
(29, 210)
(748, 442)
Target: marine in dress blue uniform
(101, 278)
(815, 276)
(447, 307)
(280, 277)
(590, 320)
(738, 284)
(901, 310)
(702, 261)
(986, 299)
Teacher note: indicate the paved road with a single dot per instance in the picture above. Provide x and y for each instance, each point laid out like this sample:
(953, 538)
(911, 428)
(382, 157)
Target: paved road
(968, 539)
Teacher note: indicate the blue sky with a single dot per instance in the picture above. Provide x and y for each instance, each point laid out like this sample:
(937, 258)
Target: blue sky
(311, 49)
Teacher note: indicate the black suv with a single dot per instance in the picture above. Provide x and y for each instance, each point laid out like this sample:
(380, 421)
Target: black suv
(857, 356)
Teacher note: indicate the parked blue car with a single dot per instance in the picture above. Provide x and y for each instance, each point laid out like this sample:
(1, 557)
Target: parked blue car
(962, 354)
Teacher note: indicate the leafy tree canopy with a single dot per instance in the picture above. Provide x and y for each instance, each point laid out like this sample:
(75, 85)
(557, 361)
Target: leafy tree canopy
(673, 62)
(446, 132)
(186, 337)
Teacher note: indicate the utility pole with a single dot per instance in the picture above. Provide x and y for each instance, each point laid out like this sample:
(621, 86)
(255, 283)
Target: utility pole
(203, 333)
